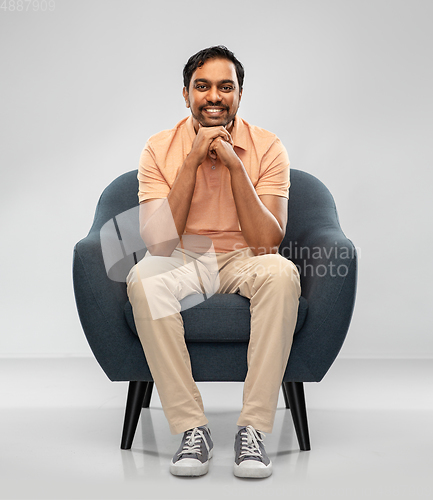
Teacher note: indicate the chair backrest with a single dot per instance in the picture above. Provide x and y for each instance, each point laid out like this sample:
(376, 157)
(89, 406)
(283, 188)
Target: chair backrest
(310, 203)
(118, 197)
(311, 207)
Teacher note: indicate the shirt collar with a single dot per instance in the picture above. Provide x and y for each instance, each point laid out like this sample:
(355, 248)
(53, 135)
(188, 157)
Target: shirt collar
(239, 132)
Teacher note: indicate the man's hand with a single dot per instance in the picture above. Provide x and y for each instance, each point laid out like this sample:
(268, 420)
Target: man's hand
(204, 138)
(220, 148)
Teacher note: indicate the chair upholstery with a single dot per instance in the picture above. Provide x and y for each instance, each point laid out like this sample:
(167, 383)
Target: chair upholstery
(217, 330)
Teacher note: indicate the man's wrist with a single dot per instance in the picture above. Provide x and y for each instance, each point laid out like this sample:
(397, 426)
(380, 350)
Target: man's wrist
(191, 162)
(235, 165)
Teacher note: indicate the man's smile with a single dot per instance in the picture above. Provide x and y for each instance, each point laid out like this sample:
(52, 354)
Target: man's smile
(214, 110)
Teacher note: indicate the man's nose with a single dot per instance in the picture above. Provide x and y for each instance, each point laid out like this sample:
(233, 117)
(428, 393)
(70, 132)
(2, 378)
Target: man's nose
(214, 95)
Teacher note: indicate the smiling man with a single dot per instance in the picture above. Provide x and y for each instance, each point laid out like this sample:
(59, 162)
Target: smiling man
(213, 98)
(213, 195)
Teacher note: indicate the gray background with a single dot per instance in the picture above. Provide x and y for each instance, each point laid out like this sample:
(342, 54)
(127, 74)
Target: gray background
(346, 85)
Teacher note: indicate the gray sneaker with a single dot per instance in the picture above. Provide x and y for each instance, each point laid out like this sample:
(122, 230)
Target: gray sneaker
(251, 459)
(192, 457)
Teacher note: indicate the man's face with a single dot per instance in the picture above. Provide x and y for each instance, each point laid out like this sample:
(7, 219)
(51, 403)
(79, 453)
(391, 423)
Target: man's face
(213, 95)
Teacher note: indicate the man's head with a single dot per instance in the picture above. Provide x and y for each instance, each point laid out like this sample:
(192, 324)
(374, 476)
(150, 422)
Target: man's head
(213, 80)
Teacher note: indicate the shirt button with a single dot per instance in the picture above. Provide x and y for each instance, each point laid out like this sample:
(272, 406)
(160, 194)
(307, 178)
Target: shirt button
(213, 167)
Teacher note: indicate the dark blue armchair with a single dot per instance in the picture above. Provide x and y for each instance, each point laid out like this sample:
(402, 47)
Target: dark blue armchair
(217, 330)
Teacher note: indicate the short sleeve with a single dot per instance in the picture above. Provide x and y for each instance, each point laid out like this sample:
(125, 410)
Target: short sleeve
(151, 182)
(274, 175)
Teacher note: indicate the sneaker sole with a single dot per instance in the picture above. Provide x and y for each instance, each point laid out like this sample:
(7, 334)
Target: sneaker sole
(252, 472)
(191, 468)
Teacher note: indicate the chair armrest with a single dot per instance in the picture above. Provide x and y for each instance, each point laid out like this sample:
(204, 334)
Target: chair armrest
(100, 302)
(327, 262)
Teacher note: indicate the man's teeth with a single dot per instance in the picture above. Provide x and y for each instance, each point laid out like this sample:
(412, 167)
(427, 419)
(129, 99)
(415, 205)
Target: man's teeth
(213, 110)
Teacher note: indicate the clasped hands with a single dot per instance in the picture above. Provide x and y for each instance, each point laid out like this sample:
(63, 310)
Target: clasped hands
(217, 143)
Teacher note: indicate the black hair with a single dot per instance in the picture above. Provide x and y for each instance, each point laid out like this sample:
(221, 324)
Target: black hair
(216, 52)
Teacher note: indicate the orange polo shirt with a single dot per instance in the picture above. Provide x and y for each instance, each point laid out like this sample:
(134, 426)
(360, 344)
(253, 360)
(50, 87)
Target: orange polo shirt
(213, 211)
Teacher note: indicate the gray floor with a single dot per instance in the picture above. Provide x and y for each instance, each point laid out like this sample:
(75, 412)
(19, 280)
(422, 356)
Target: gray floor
(61, 419)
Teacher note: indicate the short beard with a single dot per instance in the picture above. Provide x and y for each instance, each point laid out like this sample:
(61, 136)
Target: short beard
(230, 118)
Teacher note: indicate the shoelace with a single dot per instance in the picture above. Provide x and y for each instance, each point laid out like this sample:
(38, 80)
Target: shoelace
(250, 442)
(192, 442)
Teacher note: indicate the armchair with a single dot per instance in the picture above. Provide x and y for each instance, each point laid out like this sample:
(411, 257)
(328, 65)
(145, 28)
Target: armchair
(217, 330)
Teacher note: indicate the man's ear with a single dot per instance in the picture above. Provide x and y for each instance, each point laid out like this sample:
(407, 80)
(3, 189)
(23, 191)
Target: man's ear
(185, 96)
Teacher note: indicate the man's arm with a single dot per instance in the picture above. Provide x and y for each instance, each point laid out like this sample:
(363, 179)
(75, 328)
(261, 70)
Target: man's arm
(262, 218)
(157, 218)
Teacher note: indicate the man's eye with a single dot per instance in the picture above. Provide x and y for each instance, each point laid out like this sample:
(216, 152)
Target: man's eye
(200, 87)
(227, 88)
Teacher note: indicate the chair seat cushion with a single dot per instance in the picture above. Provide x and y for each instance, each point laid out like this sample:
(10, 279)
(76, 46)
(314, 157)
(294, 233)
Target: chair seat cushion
(221, 318)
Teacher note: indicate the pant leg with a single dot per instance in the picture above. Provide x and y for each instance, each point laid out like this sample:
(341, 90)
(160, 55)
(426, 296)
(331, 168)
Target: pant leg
(155, 286)
(272, 284)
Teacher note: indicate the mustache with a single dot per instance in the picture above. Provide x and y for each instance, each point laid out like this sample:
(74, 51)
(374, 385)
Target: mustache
(216, 104)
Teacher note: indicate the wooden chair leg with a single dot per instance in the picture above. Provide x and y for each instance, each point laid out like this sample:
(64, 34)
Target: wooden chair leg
(134, 403)
(295, 394)
(147, 396)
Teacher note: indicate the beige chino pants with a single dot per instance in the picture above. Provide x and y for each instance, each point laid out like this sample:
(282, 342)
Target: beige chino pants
(155, 287)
